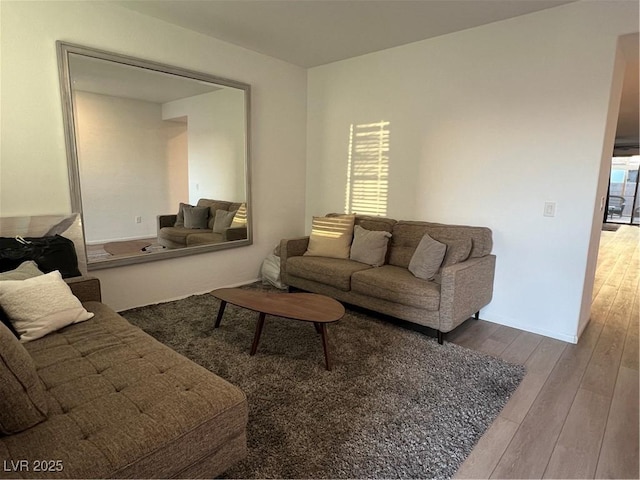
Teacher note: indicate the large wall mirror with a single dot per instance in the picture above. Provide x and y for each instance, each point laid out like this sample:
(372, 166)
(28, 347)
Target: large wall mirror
(158, 157)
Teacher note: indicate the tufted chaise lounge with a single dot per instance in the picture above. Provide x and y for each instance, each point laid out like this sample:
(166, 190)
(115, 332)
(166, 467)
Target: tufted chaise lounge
(122, 405)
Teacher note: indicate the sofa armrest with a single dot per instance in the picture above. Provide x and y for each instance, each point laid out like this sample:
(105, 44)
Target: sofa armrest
(466, 287)
(291, 247)
(167, 220)
(87, 289)
(234, 233)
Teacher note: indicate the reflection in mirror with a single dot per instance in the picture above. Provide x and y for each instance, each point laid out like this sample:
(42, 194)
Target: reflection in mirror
(158, 157)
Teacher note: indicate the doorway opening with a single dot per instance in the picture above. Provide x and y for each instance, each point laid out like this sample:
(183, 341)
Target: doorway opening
(623, 206)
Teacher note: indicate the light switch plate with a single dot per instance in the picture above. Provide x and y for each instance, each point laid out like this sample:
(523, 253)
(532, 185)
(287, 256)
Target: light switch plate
(549, 209)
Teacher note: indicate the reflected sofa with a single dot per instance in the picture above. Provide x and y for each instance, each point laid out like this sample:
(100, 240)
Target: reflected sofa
(114, 402)
(172, 236)
(456, 293)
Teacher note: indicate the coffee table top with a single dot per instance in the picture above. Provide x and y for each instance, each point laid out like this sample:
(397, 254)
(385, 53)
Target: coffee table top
(310, 307)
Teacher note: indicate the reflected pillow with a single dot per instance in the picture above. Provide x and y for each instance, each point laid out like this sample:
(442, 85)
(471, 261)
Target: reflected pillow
(62, 226)
(331, 236)
(222, 220)
(195, 217)
(40, 305)
(369, 246)
(240, 217)
(180, 216)
(427, 258)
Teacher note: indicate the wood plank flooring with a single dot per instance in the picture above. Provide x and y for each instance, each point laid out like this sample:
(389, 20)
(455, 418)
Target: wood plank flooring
(575, 414)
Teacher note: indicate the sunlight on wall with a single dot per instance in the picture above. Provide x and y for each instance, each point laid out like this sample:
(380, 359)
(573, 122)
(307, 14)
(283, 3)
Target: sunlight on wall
(368, 169)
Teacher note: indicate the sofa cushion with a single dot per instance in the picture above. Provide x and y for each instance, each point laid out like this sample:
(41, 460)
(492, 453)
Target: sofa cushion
(331, 236)
(213, 206)
(203, 238)
(375, 223)
(369, 246)
(124, 405)
(330, 271)
(370, 222)
(23, 402)
(427, 258)
(398, 285)
(458, 250)
(407, 235)
(178, 234)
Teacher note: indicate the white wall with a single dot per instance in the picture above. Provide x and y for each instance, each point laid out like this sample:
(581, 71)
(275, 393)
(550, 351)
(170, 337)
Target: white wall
(485, 126)
(125, 167)
(216, 158)
(32, 152)
(177, 166)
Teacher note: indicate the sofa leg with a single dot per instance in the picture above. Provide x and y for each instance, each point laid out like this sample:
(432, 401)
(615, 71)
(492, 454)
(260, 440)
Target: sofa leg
(440, 337)
(477, 315)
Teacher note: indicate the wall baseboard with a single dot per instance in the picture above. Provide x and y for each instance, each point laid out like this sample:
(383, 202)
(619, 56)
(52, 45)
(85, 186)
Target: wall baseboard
(565, 337)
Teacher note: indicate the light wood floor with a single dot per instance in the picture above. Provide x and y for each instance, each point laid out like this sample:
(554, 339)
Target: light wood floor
(575, 415)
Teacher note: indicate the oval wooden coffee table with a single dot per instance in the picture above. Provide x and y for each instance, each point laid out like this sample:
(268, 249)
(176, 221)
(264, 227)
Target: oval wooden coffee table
(307, 307)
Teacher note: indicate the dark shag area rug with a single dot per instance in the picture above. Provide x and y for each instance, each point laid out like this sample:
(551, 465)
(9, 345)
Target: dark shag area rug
(395, 405)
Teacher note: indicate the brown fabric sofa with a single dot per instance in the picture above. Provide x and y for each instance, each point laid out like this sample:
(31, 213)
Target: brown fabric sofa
(171, 236)
(459, 290)
(117, 403)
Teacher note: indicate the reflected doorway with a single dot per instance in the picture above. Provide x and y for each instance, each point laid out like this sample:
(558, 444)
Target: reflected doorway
(622, 197)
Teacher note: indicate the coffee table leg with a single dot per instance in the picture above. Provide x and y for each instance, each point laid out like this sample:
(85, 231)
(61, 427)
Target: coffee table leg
(256, 337)
(318, 327)
(223, 304)
(325, 346)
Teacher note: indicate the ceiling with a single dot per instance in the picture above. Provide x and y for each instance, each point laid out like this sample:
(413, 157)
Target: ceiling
(310, 33)
(89, 74)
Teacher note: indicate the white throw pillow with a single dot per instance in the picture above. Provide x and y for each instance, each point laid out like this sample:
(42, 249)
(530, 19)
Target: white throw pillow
(40, 305)
(427, 258)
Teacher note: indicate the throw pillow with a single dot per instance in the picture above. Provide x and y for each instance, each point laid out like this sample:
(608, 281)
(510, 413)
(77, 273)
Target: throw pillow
(195, 217)
(369, 246)
(180, 216)
(62, 227)
(427, 258)
(222, 221)
(331, 236)
(28, 269)
(23, 402)
(40, 305)
(240, 217)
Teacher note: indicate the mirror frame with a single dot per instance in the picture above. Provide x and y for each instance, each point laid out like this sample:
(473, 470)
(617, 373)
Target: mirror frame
(64, 49)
